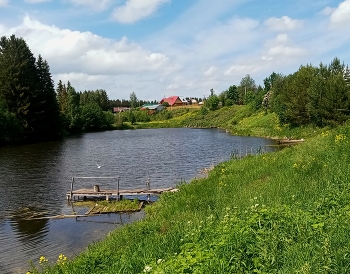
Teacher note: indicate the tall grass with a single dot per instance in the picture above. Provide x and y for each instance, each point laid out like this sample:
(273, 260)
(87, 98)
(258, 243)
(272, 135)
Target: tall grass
(282, 212)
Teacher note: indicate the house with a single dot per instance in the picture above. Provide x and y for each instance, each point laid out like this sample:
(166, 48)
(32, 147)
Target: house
(183, 100)
(120, 109)
(152, 108)
(174, 101)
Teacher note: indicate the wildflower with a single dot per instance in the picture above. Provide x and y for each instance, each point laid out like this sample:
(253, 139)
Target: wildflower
(339, 138)
(61, 259)
(42, 260)
(147, 268)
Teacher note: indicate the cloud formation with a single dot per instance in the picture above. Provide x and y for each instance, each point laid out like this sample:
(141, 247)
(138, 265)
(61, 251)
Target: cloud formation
(93, 4)
(3, 3)
(283, 24)
(205, 45)
(135, 10)
(341, 15)
(36, 1)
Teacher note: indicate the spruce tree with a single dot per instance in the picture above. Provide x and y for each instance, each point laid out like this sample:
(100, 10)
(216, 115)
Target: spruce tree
(19, 81)
(50, 126)
(27, 89)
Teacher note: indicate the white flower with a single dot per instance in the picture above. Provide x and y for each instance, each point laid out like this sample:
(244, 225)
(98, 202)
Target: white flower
(147, 268)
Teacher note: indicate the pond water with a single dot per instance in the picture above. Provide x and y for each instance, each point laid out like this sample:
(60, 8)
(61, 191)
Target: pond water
(34, 179)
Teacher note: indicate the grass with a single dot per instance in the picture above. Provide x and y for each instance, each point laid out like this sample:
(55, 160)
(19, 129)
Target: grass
(110, 206)
(282, 212)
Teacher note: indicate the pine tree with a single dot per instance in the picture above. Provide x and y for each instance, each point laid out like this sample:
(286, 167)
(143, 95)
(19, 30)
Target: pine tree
(49, 123)
(19, 81)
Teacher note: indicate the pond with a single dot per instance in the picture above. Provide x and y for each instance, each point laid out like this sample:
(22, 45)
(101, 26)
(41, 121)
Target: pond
(34, 179)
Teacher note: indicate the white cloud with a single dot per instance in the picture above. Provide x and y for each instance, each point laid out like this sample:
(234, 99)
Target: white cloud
(281, 49)
(36, 1)
(241, 70)
(283, 24)
(135, 10)
(341, 15)
(210, 72)
(93, 4)
(327, 11)
(84, 51)
(3, 3)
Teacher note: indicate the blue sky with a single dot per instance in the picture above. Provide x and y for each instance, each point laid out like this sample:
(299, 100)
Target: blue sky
(159, 48)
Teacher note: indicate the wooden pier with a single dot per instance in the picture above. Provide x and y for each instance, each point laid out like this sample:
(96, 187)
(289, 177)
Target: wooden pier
(108, 193)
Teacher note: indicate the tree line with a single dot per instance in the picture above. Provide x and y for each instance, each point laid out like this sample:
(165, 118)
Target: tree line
(32, 110)
(317, 95)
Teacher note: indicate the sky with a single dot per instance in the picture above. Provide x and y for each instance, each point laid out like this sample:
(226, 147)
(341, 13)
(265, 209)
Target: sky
(158, 48)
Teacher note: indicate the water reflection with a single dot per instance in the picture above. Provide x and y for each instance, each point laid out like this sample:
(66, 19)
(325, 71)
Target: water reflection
(28, 229)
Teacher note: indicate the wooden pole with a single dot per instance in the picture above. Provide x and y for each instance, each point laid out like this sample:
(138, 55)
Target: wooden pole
(149, 187)
(118, 197)
(71, 189)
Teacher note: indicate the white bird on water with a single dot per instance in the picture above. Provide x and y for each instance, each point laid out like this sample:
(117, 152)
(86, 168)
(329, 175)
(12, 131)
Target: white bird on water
(98, 166)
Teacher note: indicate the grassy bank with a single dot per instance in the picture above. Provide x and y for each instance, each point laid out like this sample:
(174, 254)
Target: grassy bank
(283, 212)
(239, 120)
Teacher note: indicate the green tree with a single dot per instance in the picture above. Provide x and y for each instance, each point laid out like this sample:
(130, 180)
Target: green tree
(133, 100)
(232, 93)
(26, 87)
(131, 117)
(49, 125)
(212, 102)
(94, 118)
(11, 128)
(247, 85)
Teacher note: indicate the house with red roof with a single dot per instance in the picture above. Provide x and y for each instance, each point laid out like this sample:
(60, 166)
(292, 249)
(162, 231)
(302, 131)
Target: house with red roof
(174, 101)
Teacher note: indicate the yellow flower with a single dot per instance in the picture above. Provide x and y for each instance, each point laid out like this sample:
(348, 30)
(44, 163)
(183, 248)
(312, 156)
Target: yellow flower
(42, 260)
(339, 138)
(61, 259)
(295, 165)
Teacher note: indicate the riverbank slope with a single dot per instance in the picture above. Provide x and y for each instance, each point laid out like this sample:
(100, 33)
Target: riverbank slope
(286, 211)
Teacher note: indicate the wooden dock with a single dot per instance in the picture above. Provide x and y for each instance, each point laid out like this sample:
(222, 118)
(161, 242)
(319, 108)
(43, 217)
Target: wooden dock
(117, 193)
(289, 141)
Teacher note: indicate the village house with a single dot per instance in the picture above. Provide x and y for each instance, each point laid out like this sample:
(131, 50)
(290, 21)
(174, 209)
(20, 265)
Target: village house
(120, 109)
(152, 108)
(174, 101)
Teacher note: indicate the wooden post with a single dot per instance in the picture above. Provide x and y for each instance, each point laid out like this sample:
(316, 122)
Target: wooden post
(96, 188)
(71, 189)
(118, 197)
(148, 183)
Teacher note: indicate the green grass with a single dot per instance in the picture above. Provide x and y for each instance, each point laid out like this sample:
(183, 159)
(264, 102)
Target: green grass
(110, 206)
(282, 212)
